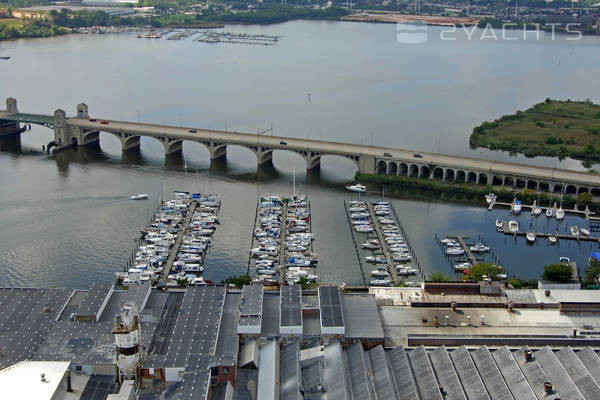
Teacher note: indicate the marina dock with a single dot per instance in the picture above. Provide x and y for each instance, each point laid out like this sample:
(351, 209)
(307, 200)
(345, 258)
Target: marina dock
(586, 213)
(383, 243)
(177, 245)
(559, 236)
(282, 237)
(467, 250)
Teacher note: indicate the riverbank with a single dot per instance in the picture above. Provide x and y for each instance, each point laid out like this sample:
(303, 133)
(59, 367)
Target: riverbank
(393, 18)
(552, 128)
(472, 193)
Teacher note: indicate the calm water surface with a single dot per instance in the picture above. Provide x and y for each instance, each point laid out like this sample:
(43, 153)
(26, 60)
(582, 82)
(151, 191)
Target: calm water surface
(67, 221)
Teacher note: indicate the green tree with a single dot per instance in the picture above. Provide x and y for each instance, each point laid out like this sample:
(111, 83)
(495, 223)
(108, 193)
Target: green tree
(559, 272)
(182, 282)
(438, 277)
(489, 269)
(584, 199)
(592, 271)
(238, 281)
(303, 282)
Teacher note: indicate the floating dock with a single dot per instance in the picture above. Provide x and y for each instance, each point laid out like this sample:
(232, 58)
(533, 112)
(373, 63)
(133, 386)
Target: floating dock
(586, 213)
(383, 244)
(175, 249)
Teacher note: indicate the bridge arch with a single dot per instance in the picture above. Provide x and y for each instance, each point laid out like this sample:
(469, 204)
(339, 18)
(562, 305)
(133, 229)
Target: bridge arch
(531, 184)
(339, 165)
(571, 189)
(509, 181)
(424, 171)
(403, 169)
(482, 179)
(471, 177)
(413, 171)
(595, 192)
(544, 187)
(438, 173)
(558, 188)
(582, 189)
(449, 175)
(392, 168)
(196, 152)
(460, 176)
(381, 167)
(497, 180)
(520, 183)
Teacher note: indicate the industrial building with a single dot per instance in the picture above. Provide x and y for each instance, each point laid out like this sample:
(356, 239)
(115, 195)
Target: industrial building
(214, 342)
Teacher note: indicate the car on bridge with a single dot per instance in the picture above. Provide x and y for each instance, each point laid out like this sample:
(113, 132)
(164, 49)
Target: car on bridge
(104, 122)
(416, 155)
(387, 155)
(283, 143)
(93, 120)
(192, 131)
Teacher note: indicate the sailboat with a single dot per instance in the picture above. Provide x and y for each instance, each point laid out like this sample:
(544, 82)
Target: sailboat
(560, 213)
(531, 237)
(552, 239)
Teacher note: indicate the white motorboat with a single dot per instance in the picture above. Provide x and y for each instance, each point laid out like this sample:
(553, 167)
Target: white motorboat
(560, 214)
(479, 248)
(375, 260)
(530, 237)
(537, 210)
(380, 282)
(412, 284)
(406, 270)
(140, 196)
(454, 251)
(502, 276)
(499, 223)
(358, 188)
(357, 209)
(584, 232)
(516, 207)
(575, 230)
(462, 266)
(552, 239)
(380, 273)
(381, 203)
(370, 246)
(359, 215)
(490, 197)
(400, 257)
(513, 226)
(549, 212)
(266, 271)
(364, 229)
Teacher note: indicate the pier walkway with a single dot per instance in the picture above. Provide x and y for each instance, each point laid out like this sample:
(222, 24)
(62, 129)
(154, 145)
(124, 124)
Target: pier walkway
(383, 244)
(282, 246)
(175, 249)
(467, 250)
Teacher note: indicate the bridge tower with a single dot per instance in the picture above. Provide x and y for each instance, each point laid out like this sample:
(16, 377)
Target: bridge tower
(61, 129)
(8, 128)
(66, 135)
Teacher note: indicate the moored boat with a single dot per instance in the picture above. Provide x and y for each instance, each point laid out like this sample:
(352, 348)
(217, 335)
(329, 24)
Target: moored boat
(140, 196)
(358, 188)
(575, 230)
(513, 226)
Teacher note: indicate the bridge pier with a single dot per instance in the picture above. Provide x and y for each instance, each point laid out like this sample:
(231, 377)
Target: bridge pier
(171, 145)
(313, 160)
(8, 128)
(264, 155)
(366, 164)
(217, 150)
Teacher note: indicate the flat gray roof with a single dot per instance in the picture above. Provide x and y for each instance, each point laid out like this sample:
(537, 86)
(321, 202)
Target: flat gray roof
(91, 303)
(331, 307)
(26, 318)
(270, 318)
(361, 316)
(291, 306)
(197, 327)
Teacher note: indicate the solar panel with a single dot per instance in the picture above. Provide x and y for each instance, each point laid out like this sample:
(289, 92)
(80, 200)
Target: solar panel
(446, 375)
(423, 373)
(559, 378)
(331, 308)
(490, 374)
(402, 373)
(252, 299)
(94, 299)
(578, 373)
(468, 375)
(291, 306)
(359, 371)
(382, 377)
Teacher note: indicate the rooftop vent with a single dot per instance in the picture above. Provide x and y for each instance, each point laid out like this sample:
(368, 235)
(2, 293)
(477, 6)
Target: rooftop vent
(43, 378)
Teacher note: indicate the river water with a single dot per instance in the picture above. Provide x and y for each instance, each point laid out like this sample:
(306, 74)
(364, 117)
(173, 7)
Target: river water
(67, 221)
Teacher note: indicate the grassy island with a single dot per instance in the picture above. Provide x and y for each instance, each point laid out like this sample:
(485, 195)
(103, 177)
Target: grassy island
(552, 128)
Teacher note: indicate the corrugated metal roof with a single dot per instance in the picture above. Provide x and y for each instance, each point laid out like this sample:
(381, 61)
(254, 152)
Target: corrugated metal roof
(359, 373)
(446, 375)
(382, 376)
(512, 374)
(468, 375)
(490, 374)
(558, 376)
(424, 374)
(402, 373)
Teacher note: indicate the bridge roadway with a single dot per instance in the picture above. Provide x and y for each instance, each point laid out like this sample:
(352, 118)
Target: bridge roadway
(343, 149)
(81, 130)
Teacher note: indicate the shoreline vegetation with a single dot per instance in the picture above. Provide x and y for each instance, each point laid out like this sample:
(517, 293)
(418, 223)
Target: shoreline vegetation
(65, 21)
(552, 128)
(465, 192)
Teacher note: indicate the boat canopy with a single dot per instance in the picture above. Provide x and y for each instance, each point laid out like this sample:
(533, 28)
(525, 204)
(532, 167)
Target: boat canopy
(596, 256)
